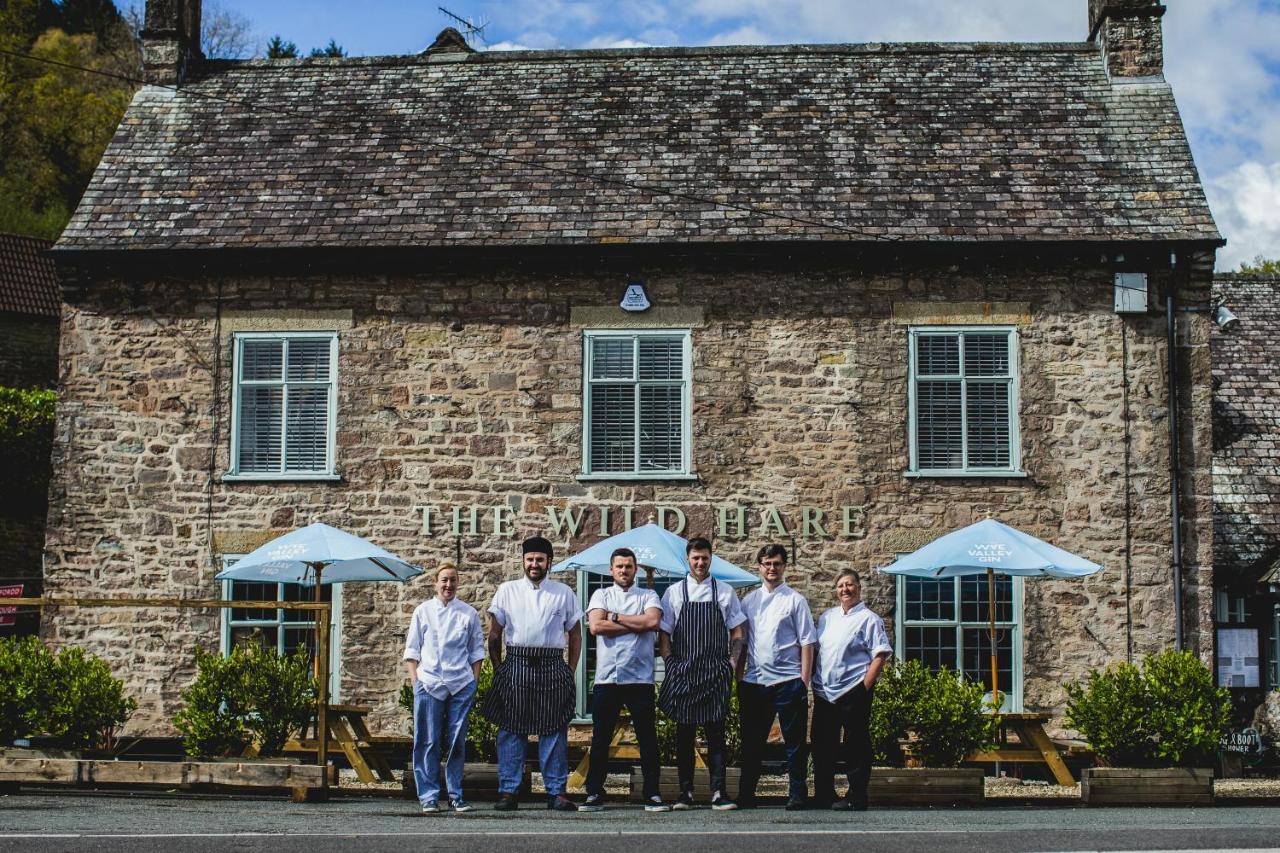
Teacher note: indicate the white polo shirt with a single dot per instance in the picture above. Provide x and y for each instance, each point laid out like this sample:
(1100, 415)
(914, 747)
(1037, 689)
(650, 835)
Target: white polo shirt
(535, 616)
(846, 644)
(779, 625)
(626, 658)
(690, 590)
(445, 640)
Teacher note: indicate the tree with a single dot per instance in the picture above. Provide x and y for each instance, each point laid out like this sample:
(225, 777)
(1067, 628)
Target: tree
(225, 34)
(332, 49)
(278, 48)
(1261, 265)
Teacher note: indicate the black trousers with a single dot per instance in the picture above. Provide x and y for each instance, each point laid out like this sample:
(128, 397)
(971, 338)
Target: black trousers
(758, 706)
(607, 702)
(686, 736)
(850, 716)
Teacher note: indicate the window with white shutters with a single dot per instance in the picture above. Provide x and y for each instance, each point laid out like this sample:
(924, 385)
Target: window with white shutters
(636, 403)
(963, 401)
(283, 417)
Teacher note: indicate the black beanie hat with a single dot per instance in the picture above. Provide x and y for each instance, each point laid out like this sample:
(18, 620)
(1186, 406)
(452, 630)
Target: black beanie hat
(537, 545)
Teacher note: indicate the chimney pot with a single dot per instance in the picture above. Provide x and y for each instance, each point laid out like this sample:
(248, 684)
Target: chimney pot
(1130, 35)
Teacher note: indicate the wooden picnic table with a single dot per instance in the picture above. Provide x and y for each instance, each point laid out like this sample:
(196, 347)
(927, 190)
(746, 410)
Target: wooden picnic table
(349, 734)
(620, 747)
(1034, 746)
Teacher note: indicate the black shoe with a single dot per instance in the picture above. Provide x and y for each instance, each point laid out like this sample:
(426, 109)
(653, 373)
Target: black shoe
(859, 805)
(506, 803)
(561, 803)
(746, 803)
(721, 803)
(842, 806)
(593, 803)
(655, 804)
(683, 802)
(796, 805)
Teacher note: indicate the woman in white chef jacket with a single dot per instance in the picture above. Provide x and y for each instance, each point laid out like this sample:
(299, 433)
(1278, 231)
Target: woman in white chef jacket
(852, 649)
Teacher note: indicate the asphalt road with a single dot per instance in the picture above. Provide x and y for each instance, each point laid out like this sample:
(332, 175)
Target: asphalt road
(146, 823)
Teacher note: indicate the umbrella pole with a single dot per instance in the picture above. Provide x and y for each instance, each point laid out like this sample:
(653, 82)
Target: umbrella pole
(991, 635)
(322, 675)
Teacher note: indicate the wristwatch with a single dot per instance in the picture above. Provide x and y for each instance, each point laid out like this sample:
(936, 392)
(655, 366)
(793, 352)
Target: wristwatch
(613, 617)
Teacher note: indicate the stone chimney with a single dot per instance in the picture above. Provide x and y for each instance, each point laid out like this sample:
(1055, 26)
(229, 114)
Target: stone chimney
(1130, 35)
(170, 40)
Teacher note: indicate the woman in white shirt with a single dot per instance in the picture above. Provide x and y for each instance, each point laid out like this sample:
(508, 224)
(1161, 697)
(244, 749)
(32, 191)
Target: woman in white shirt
(852, 649)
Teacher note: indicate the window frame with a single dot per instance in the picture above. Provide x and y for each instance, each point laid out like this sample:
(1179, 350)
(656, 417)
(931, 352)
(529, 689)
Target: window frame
(1017, 628)
(226, 623)
(1014, 468)
(589, 337)
(234, 473)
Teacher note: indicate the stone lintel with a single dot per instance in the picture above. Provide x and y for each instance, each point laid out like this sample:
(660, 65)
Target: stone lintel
(244, 541)
(962, 313)
(288, 320)
(613, 317)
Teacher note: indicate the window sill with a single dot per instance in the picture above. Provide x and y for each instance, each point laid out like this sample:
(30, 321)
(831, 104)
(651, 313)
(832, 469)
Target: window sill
(621, 476)
(281, 478)
(972, 475)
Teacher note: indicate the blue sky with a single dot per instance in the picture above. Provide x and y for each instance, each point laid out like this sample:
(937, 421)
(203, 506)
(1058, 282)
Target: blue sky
(1222, 57)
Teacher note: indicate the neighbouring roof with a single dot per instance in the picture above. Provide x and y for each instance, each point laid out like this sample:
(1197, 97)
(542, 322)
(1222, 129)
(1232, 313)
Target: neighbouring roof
(923, 142)
(28, 280)
(1246, 403)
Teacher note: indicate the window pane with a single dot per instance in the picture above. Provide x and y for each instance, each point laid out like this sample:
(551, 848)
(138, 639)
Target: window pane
(937, 355)
(612, 358)
(296, 638)
(266, 636)
(938, 426)
(973, 599)
(661, 358)
(613, 427)
(307, 435)
(309, 359)
(933, 647)
(929, 600)
(986, 354)
(261, 360)
(987, 411)
(977, 657)
(252, 591)
(298, 592)
(661, 433)
(260, 420)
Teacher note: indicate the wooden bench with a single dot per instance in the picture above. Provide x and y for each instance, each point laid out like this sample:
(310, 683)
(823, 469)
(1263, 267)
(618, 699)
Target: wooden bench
(349, 735)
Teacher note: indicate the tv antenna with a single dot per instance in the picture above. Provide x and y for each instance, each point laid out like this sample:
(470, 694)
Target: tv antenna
(470, 28)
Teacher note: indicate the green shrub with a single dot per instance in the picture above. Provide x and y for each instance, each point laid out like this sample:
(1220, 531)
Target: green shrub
(942, 712)
(69, 696)
(251, 696)
(482, 735)
(26, 440)
(1167, 714)
(732, 734)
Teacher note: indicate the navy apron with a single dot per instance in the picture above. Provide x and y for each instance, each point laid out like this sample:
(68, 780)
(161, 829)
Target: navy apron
(698, 677)
(532, 692)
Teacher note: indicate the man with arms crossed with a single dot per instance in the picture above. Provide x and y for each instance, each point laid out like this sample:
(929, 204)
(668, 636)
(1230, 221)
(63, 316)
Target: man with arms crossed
(779, 666)
(701, 640)
(624, 619)
(533, 691)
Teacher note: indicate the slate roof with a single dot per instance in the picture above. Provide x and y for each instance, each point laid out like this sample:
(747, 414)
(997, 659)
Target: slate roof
(28, 280)
(1246, 402)
(916, 142)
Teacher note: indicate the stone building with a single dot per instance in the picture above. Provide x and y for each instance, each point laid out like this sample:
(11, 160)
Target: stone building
(891, 289)
(1246, 486)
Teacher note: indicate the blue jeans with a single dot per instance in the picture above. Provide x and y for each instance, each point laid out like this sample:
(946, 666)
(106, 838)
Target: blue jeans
(440, 726)
(553, 759)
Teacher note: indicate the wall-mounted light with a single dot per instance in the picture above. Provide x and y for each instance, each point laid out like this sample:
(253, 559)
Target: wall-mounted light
(1225, 318)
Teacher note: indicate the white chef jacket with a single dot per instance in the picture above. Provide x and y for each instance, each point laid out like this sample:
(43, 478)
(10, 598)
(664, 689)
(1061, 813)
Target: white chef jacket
(626, 658)
(536, 616)
(779, 625)
(846, 644)
(674, 598)
(445, 640)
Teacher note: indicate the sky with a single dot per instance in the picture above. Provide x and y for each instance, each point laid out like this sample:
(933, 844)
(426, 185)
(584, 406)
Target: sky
(1221, 56)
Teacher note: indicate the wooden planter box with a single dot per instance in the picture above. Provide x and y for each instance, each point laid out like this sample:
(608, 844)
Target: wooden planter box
(479, 781)
(669, 783)
(302, 780)
(925, 786)
(1126, 786)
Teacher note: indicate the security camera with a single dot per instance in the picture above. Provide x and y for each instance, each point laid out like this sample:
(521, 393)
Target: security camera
(1225, 318)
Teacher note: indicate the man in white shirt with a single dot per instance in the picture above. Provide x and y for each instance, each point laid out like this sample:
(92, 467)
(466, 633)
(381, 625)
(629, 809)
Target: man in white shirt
(442, 654)
(852, 649)
(624, 619)
(533, 692)
(700, 642)
(779, 666)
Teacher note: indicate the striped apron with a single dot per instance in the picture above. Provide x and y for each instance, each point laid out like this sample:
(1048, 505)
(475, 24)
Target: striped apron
(532, 692)
(698, 678)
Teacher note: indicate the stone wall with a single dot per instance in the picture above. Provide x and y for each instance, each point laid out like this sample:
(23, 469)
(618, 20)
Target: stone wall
(465, 388)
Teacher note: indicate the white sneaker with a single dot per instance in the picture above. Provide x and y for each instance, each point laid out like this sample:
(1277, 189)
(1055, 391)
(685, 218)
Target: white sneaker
(431, 807)
(655, 804)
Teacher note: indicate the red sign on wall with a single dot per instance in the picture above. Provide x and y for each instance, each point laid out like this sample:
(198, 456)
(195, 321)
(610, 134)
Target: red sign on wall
(9, 615)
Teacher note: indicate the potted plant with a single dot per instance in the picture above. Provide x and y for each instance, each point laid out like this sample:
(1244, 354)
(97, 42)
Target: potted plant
(1156, 728)
(924, 724)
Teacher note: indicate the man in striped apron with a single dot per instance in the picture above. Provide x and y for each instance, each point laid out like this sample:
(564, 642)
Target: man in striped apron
(700, 642)
(533, 691)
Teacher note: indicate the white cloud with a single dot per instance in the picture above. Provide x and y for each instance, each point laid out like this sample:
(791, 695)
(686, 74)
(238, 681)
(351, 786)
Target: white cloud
(507, 45)
(1246, 202)
(615, 41)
